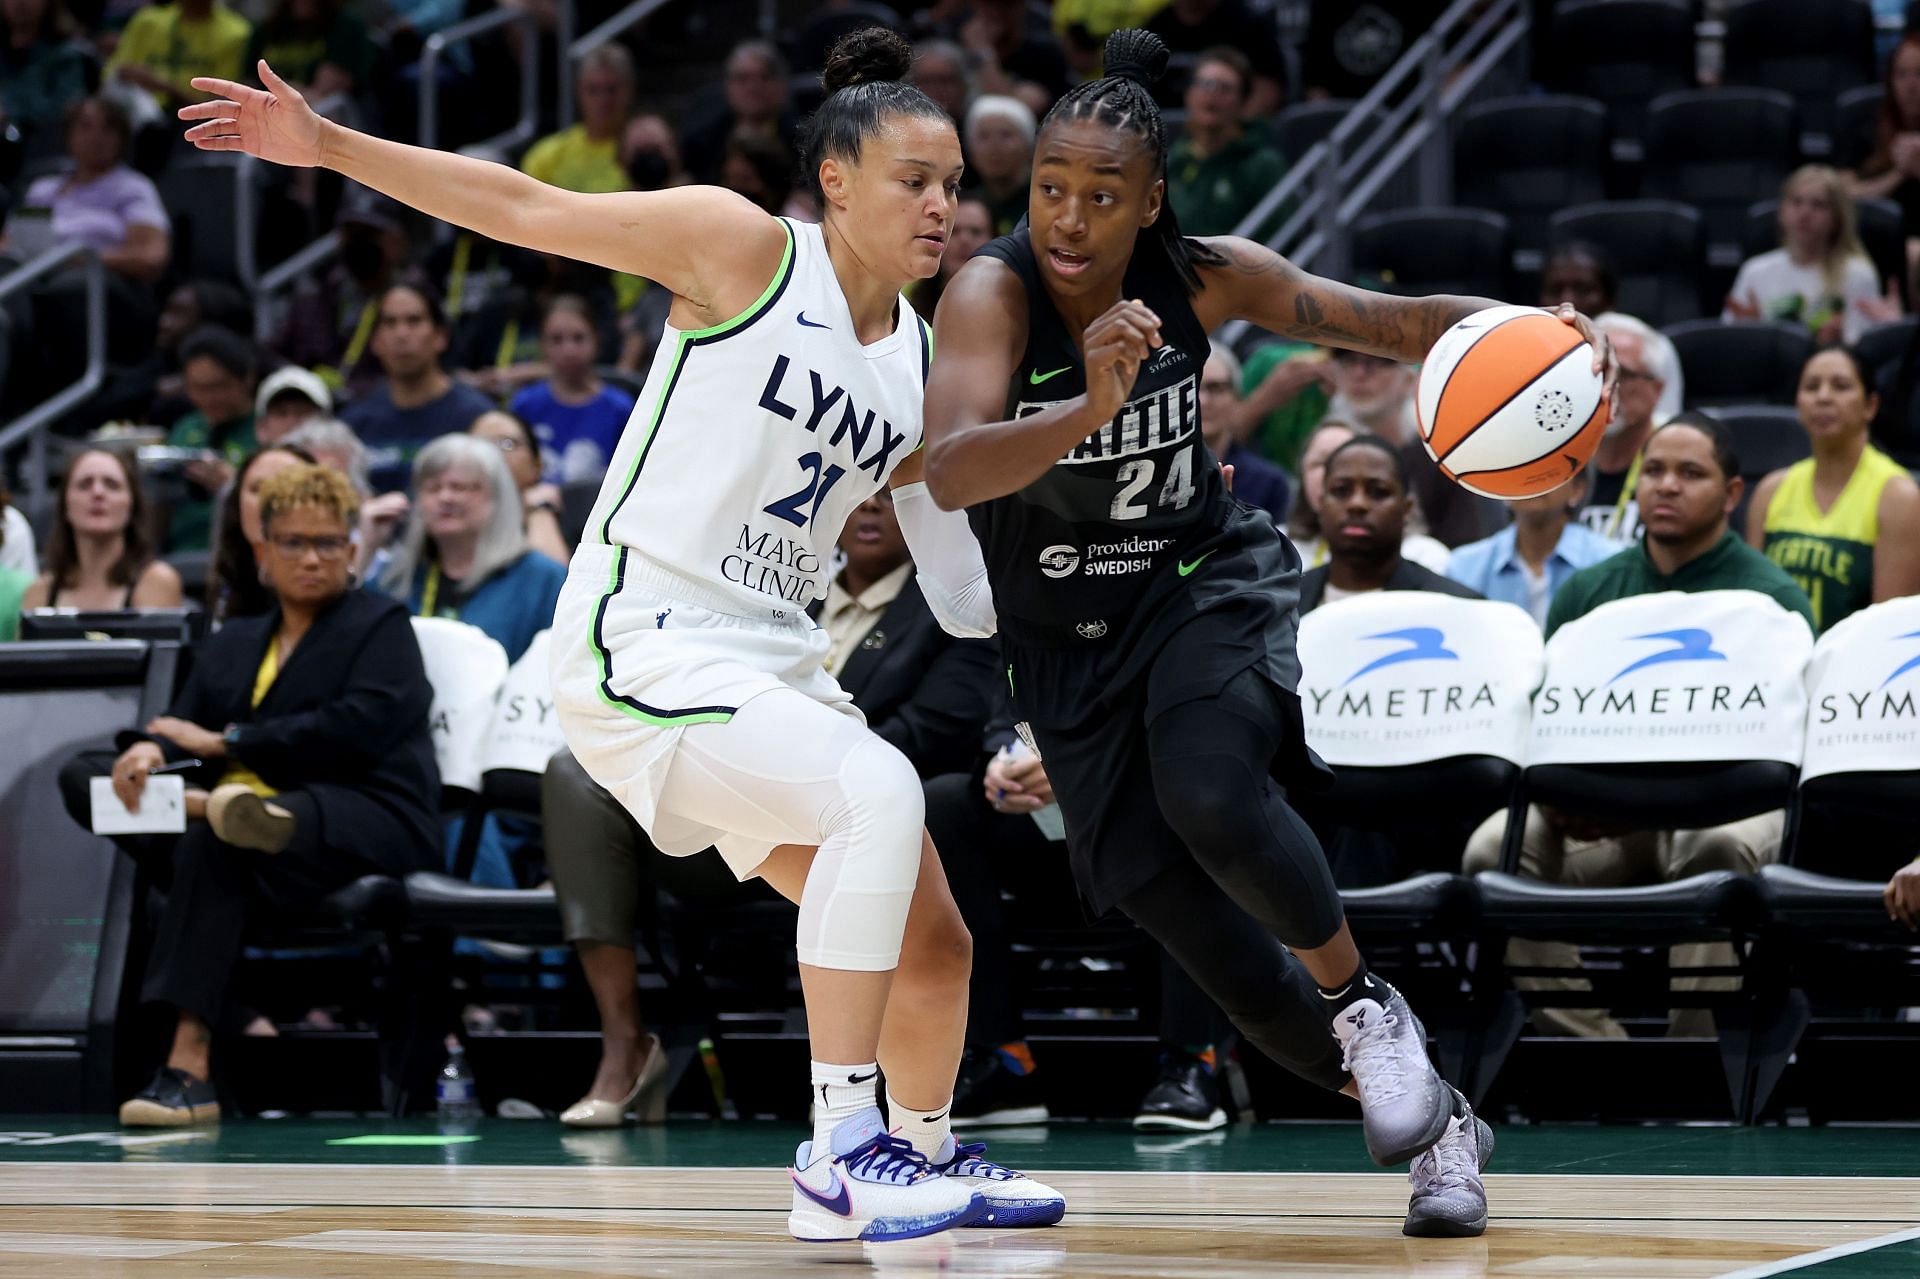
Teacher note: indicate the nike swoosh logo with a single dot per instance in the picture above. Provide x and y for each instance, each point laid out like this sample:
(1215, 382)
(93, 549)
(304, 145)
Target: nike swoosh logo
(1186, 568)
(839, 1201)
(805, 323)
(1036, 377)
(934, 1119)
(861, 1079)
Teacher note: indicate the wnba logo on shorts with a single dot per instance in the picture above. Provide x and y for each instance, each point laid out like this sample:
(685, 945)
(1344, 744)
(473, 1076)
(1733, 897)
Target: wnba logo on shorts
(1092, 630)
(1059, 561)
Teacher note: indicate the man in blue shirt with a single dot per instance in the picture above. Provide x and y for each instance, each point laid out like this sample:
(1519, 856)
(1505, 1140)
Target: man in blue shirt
(416, 401)
(1525, 562)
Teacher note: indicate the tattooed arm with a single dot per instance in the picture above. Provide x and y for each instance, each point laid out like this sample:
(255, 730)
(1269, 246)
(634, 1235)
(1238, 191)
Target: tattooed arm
(1255, 284)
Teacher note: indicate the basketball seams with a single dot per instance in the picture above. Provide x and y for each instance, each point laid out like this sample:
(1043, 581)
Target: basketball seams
(1545, 371)
(1477, 481)
(1440, 400)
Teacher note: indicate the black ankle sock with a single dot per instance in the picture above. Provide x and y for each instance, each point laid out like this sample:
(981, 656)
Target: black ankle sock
(1361, 985)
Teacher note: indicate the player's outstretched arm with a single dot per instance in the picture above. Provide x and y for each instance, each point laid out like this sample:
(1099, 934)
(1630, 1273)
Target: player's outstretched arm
(974, 453)
(669, 237)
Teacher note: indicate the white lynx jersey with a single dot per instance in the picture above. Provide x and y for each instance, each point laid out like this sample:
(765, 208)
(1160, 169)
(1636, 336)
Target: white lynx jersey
(753, 440)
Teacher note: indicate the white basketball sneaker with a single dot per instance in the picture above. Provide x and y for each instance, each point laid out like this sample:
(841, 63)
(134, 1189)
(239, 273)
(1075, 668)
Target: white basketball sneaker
(1449, 1200)
(1404, 1104)
(1012, 1198)
(873, 1186)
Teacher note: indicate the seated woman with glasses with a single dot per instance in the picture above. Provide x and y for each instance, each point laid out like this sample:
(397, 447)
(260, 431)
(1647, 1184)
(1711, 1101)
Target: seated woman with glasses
(309, 764)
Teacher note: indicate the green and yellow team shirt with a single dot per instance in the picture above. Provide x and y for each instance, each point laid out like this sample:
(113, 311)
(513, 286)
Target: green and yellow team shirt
(1830, 553)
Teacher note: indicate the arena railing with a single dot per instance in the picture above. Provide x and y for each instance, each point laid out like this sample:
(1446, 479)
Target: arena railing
(32, 427)
(1392, 149)
(436, 48)
(607, 32)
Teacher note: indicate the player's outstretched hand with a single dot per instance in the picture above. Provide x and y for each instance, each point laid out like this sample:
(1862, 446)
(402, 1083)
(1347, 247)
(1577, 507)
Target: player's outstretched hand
(1116, 345)
(274, 123)
(1604, 362)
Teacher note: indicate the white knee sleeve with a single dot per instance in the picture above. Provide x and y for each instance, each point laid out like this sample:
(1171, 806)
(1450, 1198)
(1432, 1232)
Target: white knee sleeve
(853, 910)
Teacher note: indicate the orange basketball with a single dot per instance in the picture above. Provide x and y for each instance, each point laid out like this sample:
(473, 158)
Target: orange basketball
(1509, 404)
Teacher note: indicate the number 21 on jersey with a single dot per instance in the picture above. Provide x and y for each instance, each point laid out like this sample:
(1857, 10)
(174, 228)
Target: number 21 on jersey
(1137, 476)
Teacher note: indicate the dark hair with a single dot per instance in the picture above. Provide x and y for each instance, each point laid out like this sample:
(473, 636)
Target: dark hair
(1726, 454)
(1880, 159)
(1596, 254)
(1860, 369)
(117, 118)
(1380, 445)
(572, 304)
(1232, 59)
(865, 83)
(234, 588)
(770, 161)
(436, 312)
(520, 423)
(137, 551)
(224, 347)
(221, 304)
(1122, 100)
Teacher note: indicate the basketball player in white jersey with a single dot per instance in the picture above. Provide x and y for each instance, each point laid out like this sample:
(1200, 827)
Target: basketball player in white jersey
(689, 679)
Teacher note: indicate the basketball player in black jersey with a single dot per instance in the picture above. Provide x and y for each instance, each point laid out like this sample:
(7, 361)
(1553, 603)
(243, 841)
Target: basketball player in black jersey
(1149, 619)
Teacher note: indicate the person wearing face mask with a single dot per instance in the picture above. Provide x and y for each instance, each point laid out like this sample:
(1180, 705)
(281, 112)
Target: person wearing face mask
(650, 153)
(1527, 561)
(999, 137)
(100, 555)
(1844, 523)
(576, 417)
(1364, 507)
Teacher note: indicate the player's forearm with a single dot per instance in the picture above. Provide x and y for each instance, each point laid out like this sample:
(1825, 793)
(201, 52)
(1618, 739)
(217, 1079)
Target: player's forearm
(1403, 329)
(499, 202)
(967, 465)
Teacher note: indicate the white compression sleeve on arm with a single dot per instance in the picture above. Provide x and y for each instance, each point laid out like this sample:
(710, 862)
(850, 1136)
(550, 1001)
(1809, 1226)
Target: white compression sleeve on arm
(951, 571)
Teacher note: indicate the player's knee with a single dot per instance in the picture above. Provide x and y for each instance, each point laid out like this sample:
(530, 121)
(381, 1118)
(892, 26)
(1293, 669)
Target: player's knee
(937, 949)
(884, 810)
(1214, 803)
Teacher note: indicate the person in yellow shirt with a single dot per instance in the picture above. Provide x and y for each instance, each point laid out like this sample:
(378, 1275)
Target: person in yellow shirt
(586, 157)
(166, 45)
(1844, 523)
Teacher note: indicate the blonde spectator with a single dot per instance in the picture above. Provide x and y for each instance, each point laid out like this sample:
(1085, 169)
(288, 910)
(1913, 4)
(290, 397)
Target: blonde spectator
(1819, 276)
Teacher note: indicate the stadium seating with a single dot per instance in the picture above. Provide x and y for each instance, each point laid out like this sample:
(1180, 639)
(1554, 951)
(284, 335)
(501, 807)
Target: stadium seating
(1885, 345)
(1296, 128)
(1807, 50)
(1529, 157)
(202, 195)
(1720, 150)
(1625, 53)
(1416, 251)
(1856, 125)
(1657, 247)
(1741, 362)
(466, 668)
(1882, 234)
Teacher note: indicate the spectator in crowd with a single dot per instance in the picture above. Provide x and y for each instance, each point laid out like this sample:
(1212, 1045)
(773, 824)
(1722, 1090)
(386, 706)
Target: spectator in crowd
(17, 548)
(156, 386)
(103, 205)
(42, 66)
(330, 325)
(1195, 26)
(1256, 481)
(1820, 276)
(1689, 487)
(219, 367)
(417, 401)
(586, 156)
(1287, 386)
(1613, 473)
(1892, 169)
(1303, 527)
(1376, 395)
(1903, 896)
(999, 137)
(166, 45)
(16, 576)
(326, 763)
(763, 169)
(1217, 171)
(576, 417)
(1845, 522)
(650, 154)
(920, 689)
(972, 227)
(287, 400)
(236, 586)
(1896, 426)
(1350, 47)
(540, 500)
(756, 102)
(465, 553)
(320, 47)
(1364, 507)
(100, 554)
(1526, 562)
(940, 72)
(1012, 54)
(334, 445)
(1581, 272)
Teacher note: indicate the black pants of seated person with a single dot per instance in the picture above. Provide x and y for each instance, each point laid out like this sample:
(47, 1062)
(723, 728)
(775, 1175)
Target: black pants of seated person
(214, 891)
(986, 852)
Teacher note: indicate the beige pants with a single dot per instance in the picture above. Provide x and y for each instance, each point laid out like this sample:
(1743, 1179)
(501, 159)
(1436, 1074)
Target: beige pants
(1644, 857)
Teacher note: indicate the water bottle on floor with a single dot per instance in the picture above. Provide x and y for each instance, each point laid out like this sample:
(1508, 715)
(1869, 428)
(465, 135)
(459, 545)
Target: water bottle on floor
(454, 1093)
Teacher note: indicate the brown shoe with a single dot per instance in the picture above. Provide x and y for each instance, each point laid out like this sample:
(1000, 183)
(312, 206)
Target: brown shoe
(174, 1099)
(244, 819)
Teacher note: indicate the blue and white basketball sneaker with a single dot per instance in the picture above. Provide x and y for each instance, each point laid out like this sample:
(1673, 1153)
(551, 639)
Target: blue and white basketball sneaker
(1012, 1198)
(873, 1186)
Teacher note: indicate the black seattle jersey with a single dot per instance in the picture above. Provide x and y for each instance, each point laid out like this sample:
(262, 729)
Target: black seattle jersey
(1127, 512)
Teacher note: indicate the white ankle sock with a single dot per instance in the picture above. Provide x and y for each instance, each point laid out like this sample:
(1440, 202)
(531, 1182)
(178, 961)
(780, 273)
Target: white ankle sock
(840, 1093)
(928, 1130)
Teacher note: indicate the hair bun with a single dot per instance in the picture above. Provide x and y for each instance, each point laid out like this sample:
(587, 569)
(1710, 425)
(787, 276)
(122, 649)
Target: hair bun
(1135, 54)
(867, 56)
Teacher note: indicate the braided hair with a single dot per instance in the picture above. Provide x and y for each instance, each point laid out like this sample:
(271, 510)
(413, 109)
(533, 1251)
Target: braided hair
(1122, 100)
(865, 83)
